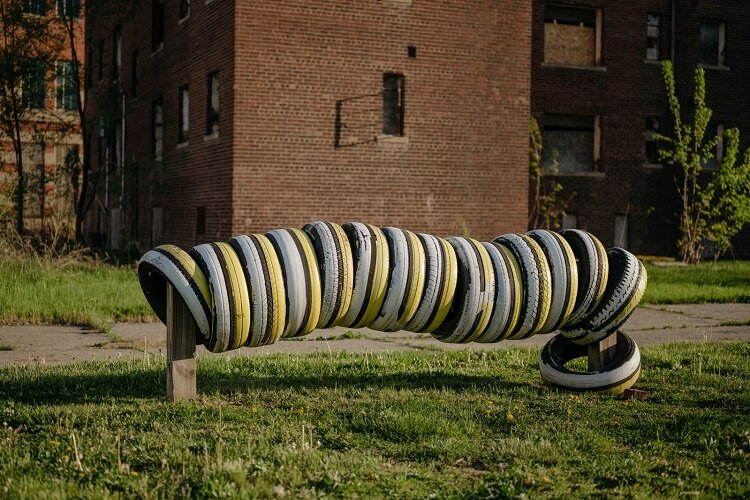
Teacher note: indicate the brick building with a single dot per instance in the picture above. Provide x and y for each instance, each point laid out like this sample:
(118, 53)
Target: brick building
(598, 95)
(245, 116)
(49, 133)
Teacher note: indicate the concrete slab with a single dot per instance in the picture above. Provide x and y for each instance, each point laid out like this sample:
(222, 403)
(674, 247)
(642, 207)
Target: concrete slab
(65, 344)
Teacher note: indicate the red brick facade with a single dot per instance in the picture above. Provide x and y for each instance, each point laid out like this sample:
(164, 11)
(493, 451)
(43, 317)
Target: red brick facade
(301, 106)
(624, 89)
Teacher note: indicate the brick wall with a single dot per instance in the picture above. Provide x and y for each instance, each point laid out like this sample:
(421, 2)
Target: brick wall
(461, 167)
(462, 163)
(624, 94)
(195, 174)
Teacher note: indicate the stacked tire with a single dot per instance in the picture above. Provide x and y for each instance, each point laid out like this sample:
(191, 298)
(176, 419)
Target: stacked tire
(256, 289)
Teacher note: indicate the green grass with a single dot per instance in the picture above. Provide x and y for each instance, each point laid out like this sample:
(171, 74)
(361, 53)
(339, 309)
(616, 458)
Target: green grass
(459, 424)
(94, 295)
(724, 281)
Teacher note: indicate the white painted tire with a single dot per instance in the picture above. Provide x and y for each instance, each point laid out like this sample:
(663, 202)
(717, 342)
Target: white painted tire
(475, 291)
(626, 285)
(336, 266)
(228, 301)
(593, 269)
(535, 279)
(406, 278)
(441, 270)
(615, 378)
(170, 264)
(564, 275)
(301, 280)
(371, 263)
(265, 281)
(508, 294)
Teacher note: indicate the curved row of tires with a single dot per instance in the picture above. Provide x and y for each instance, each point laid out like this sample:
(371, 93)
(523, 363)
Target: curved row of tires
(255, 289)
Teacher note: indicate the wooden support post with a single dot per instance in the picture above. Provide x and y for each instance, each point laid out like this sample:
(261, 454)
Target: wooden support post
(602, 353)
(181, 334)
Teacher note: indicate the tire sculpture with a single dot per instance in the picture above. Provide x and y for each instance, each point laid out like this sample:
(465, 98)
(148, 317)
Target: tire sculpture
(258, 288)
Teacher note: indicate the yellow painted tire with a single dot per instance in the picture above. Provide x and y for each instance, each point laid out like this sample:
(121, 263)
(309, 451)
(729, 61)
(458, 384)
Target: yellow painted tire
(265, 281)
(336, 266)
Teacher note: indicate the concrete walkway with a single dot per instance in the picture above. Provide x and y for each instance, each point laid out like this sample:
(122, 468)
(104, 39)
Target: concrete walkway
(64, 344)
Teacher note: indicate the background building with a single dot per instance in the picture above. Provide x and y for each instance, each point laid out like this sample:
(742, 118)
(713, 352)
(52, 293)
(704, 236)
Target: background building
(44, 101)
(245, 116)
(598, 94)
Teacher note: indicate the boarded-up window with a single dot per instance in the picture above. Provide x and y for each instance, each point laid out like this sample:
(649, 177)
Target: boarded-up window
(712, 43)
(649, 137)
(571, 35)
(393, 104)
(652, 38)
(569, 143)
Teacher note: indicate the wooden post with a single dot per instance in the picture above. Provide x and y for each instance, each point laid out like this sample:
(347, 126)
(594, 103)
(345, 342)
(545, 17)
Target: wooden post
(181, 334)
(602, 353)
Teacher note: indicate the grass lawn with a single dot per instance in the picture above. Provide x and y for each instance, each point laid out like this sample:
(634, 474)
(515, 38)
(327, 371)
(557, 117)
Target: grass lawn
(95, 295)
(456, 424)
(724, 281)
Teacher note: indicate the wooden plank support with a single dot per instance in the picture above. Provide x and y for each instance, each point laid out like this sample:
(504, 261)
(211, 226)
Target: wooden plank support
(181, 335)
(601, 353)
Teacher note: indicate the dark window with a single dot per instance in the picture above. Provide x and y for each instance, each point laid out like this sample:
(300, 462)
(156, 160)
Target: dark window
(571, 35)
(135, 61)
(212, 104)
(38, 7)
(117, 53)
(570, 143)
(652, 38)
(200, 220)
(184, 118)
(32, 84)
(101, 60)
(712, 43)
(157, 24)
(157, 129)
(652, 146)
(393, 104)
(67, 90)
(70, 9)
(184, 8)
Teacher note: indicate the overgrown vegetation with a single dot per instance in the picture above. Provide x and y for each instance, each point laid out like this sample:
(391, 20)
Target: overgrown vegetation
(457, 424)
(715, 205)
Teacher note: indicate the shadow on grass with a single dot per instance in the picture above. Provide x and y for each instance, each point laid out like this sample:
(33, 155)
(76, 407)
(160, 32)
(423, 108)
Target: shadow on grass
(56, 386)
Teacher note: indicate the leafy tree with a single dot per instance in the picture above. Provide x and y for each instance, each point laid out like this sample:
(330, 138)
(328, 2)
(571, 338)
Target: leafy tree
(29, 47)
(715, 205)
(547, 204)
